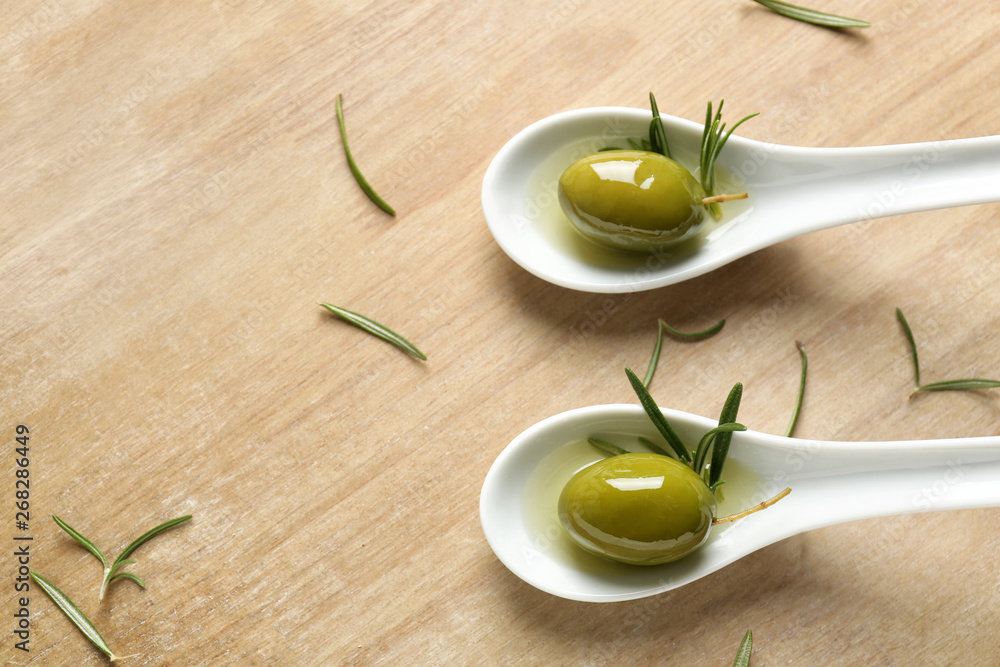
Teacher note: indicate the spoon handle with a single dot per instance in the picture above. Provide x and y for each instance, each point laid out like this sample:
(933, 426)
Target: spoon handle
(840, 482)
(848, 185)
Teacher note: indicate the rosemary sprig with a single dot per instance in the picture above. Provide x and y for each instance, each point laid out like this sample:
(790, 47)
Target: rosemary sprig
(375, 328)
(743, 652)
(657, 135)
(802, 390)
(663, 326)
(365, 187)
(113, 570)
(811, 15)
(943, 385)
(656, 416)
(77, 617)
(713, 139)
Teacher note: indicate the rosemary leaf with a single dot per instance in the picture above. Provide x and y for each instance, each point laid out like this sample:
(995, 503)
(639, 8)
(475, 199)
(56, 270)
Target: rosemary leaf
(706, 442)
(802, 390)
(657, 135)
(969, 383)
(148, 535)
(711, 331)
(811, 15)
(706, 136)
(365, 187)
(112, 573)
(656, 416)
(653, 447)
(720, 450)
(373, 327)
(84, 542)
(743, 652)
(913, 346)
(76, 616)
(130, 576)
(663, 326)
(606, 447)
(654, 359)
(944, 385)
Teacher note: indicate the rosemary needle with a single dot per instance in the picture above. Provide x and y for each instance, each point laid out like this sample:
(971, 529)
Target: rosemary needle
(968, 383)
(943, 385)
(653, 447)
(720, 450)
(606, 447)
(913, 346)
(368, 189)
(375, 328)
(657, 135)
(743, 652)
(811, 15)
(656, 416)
(802, 390)
(706, 442)
(654, 359)
(663, 326)
(76, 616)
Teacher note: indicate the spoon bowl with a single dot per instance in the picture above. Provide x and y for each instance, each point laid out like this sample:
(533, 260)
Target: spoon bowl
(793, 191)
(831, 482)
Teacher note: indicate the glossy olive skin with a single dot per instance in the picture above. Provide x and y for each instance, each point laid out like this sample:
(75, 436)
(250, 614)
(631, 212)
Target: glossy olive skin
(632, 200)
(641, 509)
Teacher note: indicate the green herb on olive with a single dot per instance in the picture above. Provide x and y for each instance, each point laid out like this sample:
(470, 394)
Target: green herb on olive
(651, 508)
(641, 199)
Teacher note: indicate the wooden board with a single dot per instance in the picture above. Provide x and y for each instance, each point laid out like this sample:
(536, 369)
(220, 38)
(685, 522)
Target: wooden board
(176, 201)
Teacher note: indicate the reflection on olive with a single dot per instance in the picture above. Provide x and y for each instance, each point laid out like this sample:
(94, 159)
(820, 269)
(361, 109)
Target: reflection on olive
(632, 200)
(642, 509)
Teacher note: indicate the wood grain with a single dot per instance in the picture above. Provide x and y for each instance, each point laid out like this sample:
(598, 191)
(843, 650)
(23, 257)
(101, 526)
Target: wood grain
(176, 201)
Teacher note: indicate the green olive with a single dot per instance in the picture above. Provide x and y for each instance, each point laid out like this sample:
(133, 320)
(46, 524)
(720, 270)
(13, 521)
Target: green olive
(632, 200)
(642, 509)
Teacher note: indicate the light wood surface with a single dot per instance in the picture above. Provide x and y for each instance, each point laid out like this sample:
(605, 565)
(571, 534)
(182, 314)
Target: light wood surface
(176, 201)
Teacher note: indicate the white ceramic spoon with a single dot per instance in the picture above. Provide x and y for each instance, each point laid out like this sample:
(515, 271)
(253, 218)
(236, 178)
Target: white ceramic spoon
(831, 482)
(793, 191)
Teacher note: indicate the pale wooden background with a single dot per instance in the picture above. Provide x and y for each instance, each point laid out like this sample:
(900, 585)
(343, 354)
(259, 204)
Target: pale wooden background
(176, 201)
